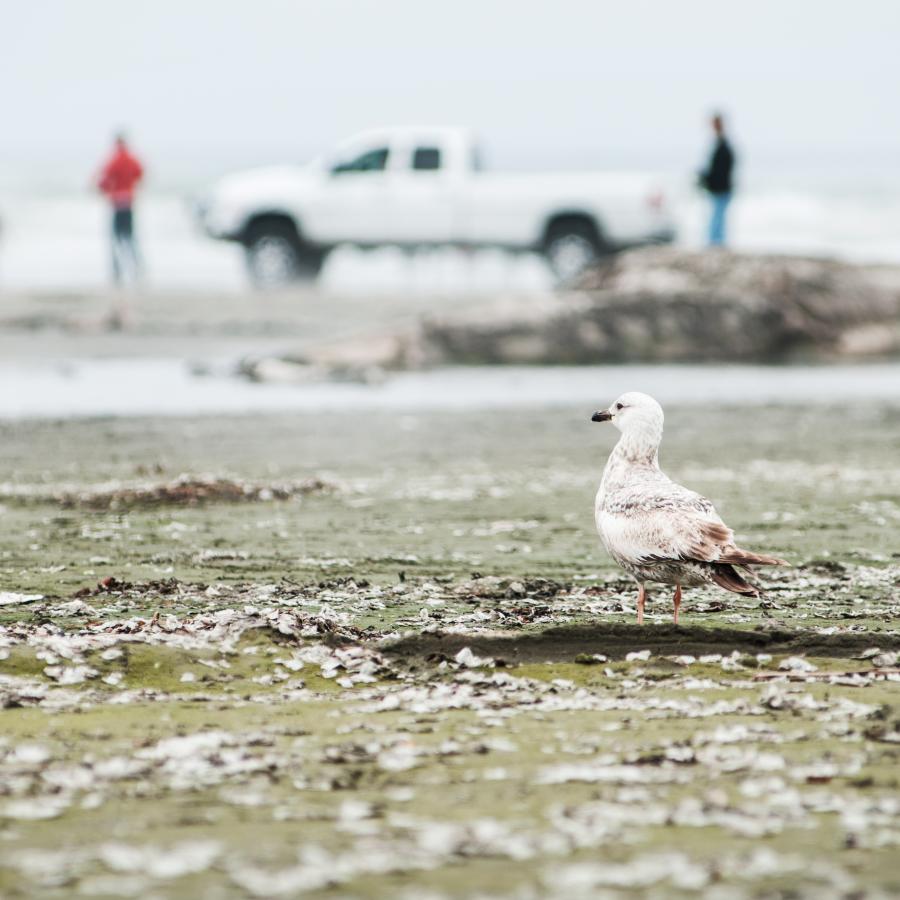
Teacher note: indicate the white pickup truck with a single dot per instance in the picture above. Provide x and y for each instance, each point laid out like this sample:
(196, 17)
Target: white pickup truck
(412, 187)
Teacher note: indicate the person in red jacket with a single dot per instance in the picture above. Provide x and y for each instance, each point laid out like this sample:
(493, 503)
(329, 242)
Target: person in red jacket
(118, 180)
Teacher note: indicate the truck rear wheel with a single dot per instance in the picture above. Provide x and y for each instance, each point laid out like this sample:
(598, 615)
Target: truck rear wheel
(276, 257)
(571, 246)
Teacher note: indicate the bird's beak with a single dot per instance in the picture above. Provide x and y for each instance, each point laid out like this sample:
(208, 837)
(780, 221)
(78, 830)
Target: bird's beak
(602, 415)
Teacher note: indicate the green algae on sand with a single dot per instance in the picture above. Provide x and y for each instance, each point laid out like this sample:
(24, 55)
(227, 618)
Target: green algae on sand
(375, 690)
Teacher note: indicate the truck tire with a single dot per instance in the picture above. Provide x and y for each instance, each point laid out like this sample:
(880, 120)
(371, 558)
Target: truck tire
(276, 256)
(570, 247)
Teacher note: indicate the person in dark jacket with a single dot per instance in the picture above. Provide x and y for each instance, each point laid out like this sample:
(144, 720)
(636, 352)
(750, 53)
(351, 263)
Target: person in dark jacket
(717, 179)
(118, 180)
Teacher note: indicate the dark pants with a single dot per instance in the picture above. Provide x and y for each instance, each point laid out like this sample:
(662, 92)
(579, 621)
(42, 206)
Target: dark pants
(124, 248)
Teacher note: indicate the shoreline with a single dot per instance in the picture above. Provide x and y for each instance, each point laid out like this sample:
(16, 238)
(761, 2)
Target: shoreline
(92, 388)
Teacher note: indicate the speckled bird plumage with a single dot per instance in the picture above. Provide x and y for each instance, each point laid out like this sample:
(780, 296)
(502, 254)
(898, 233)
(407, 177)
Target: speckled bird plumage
(655, 529)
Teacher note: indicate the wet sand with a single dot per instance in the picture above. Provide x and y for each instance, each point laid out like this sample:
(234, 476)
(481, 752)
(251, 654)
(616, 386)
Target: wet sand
(379, 652)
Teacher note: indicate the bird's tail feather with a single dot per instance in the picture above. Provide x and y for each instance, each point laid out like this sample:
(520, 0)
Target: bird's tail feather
(728, 577)
(738, 557)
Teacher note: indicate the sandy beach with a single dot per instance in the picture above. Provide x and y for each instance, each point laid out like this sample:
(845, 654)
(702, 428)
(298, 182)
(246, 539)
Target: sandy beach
(321, 620)
(224, 637)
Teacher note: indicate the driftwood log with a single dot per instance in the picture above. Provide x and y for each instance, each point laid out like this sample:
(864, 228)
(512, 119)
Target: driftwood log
(669, 305)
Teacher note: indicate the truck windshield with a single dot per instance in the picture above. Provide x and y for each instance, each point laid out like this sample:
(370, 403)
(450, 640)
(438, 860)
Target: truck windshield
(370, 161)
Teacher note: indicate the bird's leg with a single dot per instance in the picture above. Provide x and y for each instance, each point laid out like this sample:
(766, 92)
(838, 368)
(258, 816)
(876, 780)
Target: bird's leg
(642, 596)
(677, 601)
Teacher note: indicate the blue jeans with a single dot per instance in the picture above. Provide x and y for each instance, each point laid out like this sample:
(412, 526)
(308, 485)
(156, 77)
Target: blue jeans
(717, 219)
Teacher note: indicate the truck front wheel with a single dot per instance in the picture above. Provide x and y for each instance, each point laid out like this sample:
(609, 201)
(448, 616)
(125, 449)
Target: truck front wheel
(276, 257)
(571, 247)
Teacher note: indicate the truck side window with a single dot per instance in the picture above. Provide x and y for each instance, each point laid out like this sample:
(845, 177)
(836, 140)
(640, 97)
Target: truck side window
(370, 161)
(426, 158)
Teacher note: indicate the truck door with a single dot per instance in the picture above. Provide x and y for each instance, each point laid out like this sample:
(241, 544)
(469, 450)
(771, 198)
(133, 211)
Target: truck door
(351, 204)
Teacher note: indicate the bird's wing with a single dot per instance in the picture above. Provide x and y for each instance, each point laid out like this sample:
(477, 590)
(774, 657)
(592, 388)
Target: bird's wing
(666, 524)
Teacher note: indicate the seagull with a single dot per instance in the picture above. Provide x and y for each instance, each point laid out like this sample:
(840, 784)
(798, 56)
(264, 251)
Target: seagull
(655, 529)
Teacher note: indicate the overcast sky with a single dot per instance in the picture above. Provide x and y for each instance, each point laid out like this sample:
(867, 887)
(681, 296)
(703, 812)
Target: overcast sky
(564, 82)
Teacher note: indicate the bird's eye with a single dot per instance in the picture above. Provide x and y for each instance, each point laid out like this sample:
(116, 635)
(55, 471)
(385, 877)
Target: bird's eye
(618, 406)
